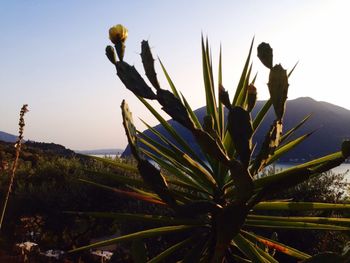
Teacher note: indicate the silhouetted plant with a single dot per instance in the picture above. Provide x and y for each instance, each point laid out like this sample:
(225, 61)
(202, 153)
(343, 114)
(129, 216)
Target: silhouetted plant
(18, 145)
(216, 200)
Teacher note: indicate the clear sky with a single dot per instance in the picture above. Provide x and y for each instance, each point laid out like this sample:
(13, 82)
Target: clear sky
(52, 57)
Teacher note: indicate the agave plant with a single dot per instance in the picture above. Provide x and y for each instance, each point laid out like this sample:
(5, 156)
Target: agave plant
(217, 196)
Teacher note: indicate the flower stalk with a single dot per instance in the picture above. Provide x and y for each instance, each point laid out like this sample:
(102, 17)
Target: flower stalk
(18, 146)
(118, 34)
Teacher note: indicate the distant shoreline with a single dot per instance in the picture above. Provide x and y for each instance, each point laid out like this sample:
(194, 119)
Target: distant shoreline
(101, 152)
(344, 167)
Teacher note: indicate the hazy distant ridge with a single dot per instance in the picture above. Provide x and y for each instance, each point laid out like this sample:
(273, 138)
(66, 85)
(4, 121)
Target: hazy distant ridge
(100, 151)
(331, 124)
(7, 137)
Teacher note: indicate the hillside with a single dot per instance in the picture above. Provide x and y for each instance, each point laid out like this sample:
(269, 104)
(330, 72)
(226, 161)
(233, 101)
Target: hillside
(46, 184)
(10, 138)
(331, 124)
(7, 137)
(32, 151)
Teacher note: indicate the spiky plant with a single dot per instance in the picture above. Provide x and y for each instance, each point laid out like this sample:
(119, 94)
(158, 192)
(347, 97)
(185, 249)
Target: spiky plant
(218, 198)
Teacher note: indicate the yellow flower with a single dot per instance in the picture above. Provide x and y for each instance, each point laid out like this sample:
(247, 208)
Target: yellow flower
(118, 33)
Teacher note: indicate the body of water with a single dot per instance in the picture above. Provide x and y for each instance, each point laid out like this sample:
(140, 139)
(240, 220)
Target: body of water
(343, 168)
(110, 156)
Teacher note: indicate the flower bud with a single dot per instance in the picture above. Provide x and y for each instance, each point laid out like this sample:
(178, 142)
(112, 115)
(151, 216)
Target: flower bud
(111, 54)
(251, 97)
(118, 35)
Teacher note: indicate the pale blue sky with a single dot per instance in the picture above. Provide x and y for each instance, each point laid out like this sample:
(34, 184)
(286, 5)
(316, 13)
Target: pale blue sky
(52, 57)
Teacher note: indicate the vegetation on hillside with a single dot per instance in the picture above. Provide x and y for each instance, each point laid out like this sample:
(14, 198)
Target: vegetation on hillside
(46, 185)
(49, 183)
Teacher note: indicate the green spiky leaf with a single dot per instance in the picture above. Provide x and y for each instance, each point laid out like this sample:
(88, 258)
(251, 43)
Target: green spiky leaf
(138, 235)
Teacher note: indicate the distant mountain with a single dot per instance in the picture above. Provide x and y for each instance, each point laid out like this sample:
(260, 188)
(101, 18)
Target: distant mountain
(7, 137)
(100, 151)
(331, 124)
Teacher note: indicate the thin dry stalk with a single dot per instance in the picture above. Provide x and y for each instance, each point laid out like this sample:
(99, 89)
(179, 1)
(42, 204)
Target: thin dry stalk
(18, 145)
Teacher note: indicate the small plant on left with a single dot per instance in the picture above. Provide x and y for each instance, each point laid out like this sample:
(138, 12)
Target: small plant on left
(18, 146)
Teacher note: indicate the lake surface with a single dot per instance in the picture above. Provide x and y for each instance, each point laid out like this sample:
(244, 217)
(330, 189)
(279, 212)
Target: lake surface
(343, 168)
(109, 156)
